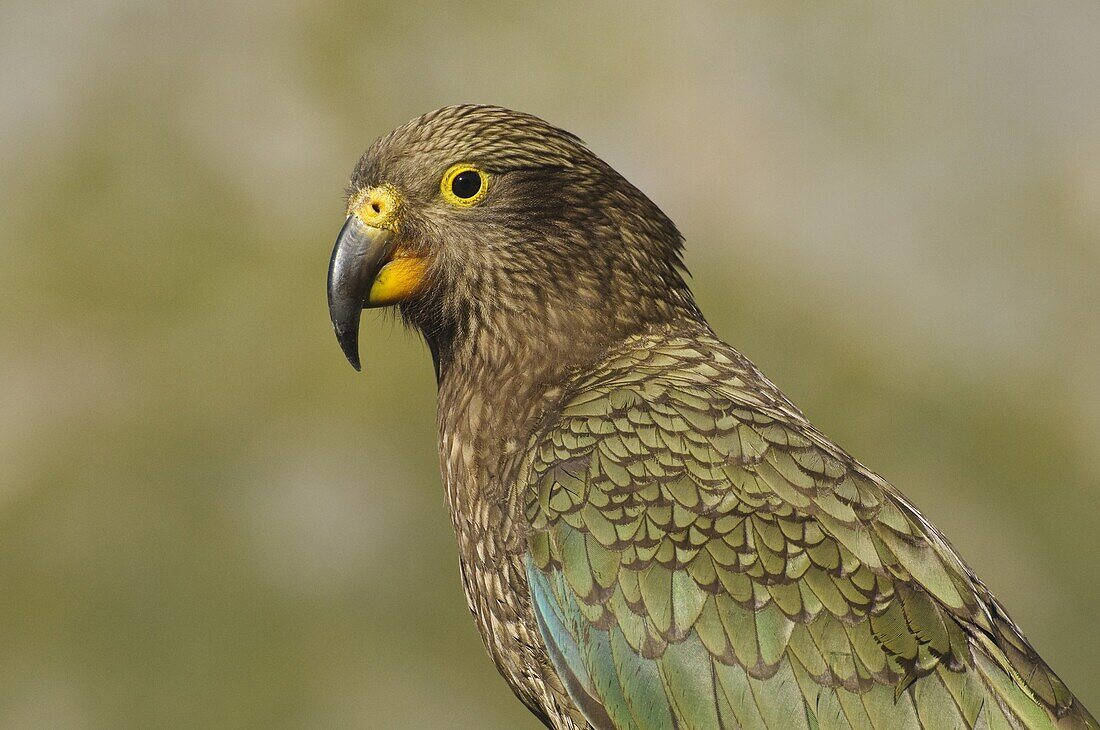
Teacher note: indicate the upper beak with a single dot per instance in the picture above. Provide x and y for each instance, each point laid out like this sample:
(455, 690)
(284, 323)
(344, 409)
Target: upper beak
(359, 255)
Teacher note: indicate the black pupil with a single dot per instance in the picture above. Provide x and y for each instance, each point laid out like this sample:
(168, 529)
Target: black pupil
(466, 184)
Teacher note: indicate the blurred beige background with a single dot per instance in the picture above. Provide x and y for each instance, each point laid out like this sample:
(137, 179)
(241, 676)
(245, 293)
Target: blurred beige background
(207, 519)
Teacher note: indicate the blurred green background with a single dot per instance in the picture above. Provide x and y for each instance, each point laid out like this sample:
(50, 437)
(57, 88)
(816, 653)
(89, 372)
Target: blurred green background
(207, 519)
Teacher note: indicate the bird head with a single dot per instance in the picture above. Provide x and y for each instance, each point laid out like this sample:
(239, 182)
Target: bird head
(481, 219)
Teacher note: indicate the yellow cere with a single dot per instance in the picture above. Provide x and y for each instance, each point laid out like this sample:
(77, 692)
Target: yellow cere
(375, 206)
(403, 275)
(447, 185)
(400, 278)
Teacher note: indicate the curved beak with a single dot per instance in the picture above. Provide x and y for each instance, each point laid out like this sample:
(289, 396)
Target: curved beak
(359, 255)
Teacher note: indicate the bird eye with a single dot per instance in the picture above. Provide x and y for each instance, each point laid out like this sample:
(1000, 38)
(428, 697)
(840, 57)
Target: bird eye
(464, 185)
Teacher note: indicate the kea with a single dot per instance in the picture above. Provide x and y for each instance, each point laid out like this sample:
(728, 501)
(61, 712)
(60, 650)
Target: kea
(650, 533)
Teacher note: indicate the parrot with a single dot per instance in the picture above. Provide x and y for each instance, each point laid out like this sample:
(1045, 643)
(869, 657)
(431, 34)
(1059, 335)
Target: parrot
(650, 533)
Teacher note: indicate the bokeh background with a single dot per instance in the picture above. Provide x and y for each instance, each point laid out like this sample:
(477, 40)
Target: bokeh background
(207, 519)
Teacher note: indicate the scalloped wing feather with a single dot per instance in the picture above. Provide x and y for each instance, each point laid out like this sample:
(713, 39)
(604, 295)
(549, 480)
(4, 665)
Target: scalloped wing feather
(702, 557)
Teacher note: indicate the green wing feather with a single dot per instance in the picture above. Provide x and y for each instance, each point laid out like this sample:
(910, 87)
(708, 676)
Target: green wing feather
(701, 557)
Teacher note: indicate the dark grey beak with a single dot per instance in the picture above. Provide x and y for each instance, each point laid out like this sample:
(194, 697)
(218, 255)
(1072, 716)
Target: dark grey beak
(360, 253)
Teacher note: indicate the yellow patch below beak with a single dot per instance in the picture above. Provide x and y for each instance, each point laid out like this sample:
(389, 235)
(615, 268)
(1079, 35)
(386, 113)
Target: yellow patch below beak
(400, 278)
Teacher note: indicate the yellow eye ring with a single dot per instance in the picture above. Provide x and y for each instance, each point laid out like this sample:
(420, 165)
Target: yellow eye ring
(464, 185)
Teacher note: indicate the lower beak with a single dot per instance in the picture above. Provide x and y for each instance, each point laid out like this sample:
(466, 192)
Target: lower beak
(359, 255)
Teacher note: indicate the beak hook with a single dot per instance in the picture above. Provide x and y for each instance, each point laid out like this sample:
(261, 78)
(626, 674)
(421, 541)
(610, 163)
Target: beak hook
(359, 254)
